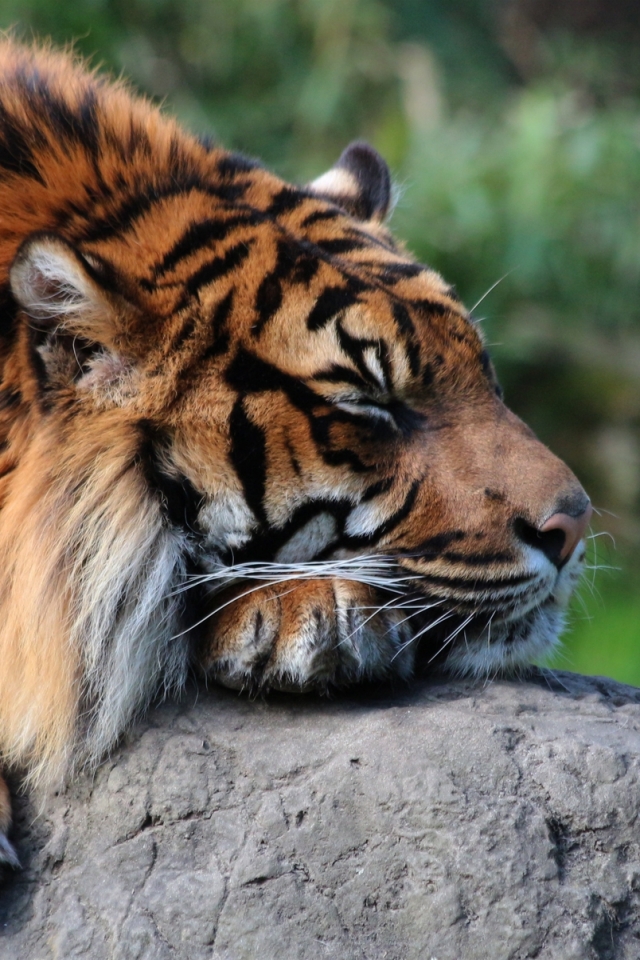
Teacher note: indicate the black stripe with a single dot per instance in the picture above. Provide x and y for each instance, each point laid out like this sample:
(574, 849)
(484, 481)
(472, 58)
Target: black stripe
(181, 335)
(478, 559)
(430, 307)
(199, 235)
(403, 319)
(179, 500)
(393, 273)
(231, 164)
(407, 328)
(214, 270)
(219, 326)
(8, 313)
(390, 524)
(305, 268)
(248, 373)
(105, 274)
(336, 373)
(290, 256)
(78, 126)
(286, 199)
(338, 458)
(217, 344)
(433, 546)
(330, 303)
(387, 244)
(382, 486)
(17, 146)
(248, 457)
(427, 375)
(268, 301)
(136, 142)
(475, 586)
(340, 245)
(327, 213)
(137, 204)
(295, 261)
(354, 347)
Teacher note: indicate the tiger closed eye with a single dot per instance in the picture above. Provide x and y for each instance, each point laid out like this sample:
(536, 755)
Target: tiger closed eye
(407, 418)
(395, 413)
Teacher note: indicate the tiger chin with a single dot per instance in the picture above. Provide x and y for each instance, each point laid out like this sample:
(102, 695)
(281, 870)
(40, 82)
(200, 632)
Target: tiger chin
(241, 430)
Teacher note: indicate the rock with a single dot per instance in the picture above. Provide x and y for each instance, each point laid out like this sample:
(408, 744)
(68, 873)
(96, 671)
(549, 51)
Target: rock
(451, 821)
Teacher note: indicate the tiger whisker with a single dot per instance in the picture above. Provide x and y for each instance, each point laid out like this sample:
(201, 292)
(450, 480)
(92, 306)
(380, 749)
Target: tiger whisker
(418, 609)
(430, 626)
(600, 510)
(421, 609)
(376, 611)
(222, 606)
(375, 571)
(452, 637)
(491, 289)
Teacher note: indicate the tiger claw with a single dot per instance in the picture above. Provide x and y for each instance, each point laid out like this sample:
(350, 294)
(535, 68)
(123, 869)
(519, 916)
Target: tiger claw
(8, 855)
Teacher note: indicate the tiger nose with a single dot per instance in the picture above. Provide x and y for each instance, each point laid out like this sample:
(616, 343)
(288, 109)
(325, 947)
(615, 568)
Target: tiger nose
(572, 530)
(558, 536)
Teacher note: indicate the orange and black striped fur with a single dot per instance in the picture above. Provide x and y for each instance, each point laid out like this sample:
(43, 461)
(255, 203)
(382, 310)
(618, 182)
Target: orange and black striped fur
(240, 428)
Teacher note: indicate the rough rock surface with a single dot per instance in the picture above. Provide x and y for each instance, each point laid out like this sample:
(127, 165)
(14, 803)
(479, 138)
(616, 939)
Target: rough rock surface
(450, 821)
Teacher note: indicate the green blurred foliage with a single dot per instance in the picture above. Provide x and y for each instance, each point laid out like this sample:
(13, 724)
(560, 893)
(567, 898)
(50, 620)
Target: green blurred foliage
(286, 80)
(513, 129)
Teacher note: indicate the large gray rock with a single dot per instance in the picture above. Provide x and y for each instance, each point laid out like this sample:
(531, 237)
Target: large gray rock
(451, 821)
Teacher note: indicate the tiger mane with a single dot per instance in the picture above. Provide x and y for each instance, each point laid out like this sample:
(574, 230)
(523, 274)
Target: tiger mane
(87, 606)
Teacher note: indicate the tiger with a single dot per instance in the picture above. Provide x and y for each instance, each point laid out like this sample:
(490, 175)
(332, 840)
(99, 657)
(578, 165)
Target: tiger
(243, 432)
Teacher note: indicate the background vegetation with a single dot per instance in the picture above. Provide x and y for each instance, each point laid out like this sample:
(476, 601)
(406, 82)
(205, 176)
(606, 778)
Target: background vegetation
(513, 129)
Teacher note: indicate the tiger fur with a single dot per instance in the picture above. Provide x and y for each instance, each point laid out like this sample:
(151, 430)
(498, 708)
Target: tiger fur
(241, 429)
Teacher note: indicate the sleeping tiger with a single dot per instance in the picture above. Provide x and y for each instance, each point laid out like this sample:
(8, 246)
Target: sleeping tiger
(241, 429)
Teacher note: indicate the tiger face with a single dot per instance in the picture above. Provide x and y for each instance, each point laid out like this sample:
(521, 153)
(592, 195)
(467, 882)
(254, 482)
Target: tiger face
(308, 393)
(250, 428)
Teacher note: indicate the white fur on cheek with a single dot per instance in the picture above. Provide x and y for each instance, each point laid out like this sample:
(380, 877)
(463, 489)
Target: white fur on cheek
(309, 541)
(228, 520)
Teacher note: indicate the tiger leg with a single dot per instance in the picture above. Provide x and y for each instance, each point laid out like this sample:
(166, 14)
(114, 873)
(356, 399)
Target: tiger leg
(7, 853)
(305, 634)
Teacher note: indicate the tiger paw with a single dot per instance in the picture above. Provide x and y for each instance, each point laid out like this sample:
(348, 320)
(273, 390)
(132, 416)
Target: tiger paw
(305, 635)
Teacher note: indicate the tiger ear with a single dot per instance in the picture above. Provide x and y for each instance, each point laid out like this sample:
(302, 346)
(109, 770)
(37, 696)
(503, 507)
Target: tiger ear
(75, 310)
(359, 182)
(61, 290)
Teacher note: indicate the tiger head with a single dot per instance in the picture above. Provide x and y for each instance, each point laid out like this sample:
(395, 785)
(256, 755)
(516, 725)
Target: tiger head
(292, 389)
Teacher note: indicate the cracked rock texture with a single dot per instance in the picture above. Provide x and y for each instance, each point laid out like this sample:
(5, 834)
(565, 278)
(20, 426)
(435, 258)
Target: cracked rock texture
(450, 821)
